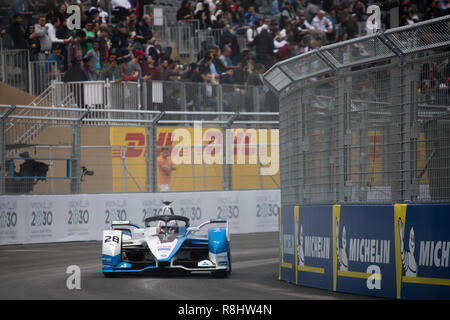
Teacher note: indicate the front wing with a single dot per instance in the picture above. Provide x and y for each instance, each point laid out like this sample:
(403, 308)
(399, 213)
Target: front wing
(208, 255)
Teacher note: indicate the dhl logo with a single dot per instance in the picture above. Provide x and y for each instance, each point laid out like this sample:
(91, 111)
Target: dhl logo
(134, 145)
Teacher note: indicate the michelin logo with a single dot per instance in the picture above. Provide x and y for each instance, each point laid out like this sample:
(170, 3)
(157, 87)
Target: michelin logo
(362, 251)
(431, 253)
(342, 251)
(312, 246)
(408, 260)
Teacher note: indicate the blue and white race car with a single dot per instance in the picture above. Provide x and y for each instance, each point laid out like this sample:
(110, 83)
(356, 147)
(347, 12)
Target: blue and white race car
(166, 242)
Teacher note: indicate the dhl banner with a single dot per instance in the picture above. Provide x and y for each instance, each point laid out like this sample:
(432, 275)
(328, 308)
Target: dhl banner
(250, 158)
(394, 251)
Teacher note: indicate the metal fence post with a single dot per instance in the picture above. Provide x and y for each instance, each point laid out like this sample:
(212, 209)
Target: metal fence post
(150, 158)
(3, 172)
(75, 162)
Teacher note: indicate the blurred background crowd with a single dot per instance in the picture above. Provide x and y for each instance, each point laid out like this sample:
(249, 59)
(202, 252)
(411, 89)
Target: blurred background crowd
(117, 40)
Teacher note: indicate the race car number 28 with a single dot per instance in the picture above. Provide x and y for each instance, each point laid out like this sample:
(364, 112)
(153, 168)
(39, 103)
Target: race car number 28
(112, 238)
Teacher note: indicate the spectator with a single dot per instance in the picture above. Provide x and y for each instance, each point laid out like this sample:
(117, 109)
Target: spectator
(151, 50)
(63, 32)
(62, 12)
(52, 27)
(74, 49)
(322, 25)
(88, 72)
(41, 32)
(164, 69)
(133, 68)
(185, 11)
(205, 67)
(122, 33)
(111, 70)
(225, 59)
(93, 56)
(312, 8)
(351, 27)
(121, 8)
(149, 69)
(58, 58)
(102, 14)
(358, 7)
(75, 73)
(229, 39)
(144, 32)
(33, 44)
(275, 8)
(123, 62)
(165, 168)
(250, 15)
(86, 44)
(285, 52)
(264, 47)
(288, 10)
(18, 33)
(103, 41)
(255, 77)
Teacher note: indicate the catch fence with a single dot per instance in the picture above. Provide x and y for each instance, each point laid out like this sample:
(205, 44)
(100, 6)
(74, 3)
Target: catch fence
(64, 150)
(367, 120)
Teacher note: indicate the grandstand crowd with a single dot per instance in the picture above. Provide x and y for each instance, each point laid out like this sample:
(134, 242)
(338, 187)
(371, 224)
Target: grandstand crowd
(120, 45)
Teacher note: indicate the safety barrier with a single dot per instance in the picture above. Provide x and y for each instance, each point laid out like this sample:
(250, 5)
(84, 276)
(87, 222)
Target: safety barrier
(49, 218)
(394, 251)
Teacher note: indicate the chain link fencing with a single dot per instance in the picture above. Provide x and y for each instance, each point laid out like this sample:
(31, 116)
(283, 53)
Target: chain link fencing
(69, 149)
(367, 120)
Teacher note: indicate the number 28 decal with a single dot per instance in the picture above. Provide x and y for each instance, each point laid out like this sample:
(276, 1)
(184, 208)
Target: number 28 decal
(112, 238)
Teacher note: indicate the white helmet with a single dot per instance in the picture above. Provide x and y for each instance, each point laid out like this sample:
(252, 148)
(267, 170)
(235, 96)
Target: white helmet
(172, 227)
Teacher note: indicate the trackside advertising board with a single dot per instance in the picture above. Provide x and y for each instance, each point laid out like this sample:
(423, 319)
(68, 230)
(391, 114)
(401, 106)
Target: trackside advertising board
(314, 251)
(55, 218)
(287, 243)
(363, 243)
(423, 250)
(394, 251)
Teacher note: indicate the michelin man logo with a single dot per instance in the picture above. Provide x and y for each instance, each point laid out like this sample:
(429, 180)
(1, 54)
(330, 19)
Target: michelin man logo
(408, 260)
(342, 252)
(300, 250)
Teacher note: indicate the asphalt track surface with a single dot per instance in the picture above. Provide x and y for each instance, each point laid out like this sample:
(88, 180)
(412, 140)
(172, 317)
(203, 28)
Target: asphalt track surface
(38, 271)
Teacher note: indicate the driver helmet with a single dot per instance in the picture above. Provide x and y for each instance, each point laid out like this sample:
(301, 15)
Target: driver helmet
(160, 227)
(172, 227)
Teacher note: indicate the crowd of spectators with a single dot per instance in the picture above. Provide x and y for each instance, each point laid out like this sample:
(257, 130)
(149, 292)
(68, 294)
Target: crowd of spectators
(122, 47)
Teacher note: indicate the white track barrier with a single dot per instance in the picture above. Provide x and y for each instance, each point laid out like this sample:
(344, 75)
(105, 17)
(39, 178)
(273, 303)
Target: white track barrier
(58, 218)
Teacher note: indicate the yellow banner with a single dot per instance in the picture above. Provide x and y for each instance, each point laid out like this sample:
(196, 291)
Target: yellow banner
(199, 166)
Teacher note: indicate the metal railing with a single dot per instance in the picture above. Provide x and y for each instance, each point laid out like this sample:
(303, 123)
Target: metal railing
(147, 95)
(367, 120)
(186, 36)
(117, 150)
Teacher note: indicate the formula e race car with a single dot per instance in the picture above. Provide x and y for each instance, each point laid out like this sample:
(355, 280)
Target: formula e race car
(166, 242)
